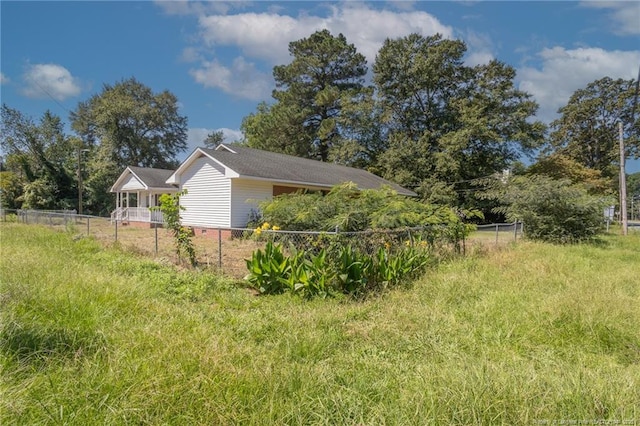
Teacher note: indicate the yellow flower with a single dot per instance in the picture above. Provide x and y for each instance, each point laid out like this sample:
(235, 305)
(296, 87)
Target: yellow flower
(275, 227)
(407, 243)
(387, 245)
(258, 231)
(265, 225)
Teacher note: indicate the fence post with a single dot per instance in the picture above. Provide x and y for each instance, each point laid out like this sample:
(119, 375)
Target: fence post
(156, 232)
(219, 249)
(497, 229)
(515, 231)
(88, 229)
(116, 222)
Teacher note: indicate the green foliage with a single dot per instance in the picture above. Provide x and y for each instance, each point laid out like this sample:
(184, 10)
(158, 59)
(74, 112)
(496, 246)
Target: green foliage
(348, 209)
(42, 159)
(559, 166)
(552, 210)
(342, 269)
(127, 124)
(11, 188)
(449, 123)
(311, 276)
(310, 91)
(354, 271)
(170, 208)
(213, 139)
(269, 271)
(587, 130)
(633, 184)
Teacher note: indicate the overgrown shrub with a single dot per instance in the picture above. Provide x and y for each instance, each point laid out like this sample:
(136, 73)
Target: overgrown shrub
(347, 209)
(170, 208)
(553, 210)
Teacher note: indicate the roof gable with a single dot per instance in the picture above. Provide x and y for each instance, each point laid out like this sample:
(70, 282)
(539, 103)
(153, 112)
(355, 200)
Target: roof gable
(149, 178)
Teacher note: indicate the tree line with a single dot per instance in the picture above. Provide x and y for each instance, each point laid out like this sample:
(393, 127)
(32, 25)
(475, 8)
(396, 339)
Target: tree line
(419, 116)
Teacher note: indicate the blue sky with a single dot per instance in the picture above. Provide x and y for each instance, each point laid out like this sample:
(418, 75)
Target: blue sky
(217, 57)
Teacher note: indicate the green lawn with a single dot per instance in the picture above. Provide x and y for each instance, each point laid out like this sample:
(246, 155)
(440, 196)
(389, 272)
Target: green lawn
(524, 334)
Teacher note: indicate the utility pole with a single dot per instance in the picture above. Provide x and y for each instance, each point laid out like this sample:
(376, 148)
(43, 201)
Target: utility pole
(79, 181)
(80, 151)
(623, 183)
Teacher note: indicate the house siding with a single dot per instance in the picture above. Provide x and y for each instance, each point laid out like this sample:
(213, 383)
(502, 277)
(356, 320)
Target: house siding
(246, 194)
(207, 202)
(131, 184)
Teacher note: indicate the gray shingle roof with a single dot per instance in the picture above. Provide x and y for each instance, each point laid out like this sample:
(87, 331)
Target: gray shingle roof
(153, 178)
(256, 163)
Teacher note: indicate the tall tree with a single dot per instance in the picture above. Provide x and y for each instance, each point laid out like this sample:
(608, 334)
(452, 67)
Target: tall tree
(213, 139)
(448, 123)
(558, 166)
(587, 130)
(129, 125)
(309, 96)
(41, 157)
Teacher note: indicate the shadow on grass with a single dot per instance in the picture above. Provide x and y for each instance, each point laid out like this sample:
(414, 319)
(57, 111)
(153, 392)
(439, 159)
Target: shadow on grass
(36, 344)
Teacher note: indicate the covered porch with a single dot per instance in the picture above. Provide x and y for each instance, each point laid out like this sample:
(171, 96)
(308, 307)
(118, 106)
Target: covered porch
(138, 191)
(137, 207)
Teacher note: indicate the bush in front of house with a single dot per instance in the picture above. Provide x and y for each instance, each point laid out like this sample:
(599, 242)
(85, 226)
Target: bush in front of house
(348, 209)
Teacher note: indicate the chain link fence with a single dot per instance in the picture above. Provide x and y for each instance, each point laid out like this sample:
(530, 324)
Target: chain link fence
(225, 249)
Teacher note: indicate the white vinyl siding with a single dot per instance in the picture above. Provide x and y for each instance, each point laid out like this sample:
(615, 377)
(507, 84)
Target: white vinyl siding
(246, 194)
(131, 184)
(207, 202)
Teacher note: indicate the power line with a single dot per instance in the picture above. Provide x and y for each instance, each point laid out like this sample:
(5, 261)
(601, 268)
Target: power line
(49, 95)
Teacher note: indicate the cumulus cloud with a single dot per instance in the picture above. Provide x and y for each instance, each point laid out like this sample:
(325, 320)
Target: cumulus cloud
(480, 48)
(564, 71)
(3, 79)
(43, 80)
(241, 79)
(267, 35)
(625, 15)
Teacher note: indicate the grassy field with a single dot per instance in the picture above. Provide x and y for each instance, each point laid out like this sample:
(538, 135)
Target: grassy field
(525, 334)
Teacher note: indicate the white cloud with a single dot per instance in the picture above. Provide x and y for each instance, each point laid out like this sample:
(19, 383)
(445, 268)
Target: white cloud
(267, 35)
(480, 48)
(3, 79)
(191, 54)
(241, 79)
(563, 71)
(43, 80)
(625, 15)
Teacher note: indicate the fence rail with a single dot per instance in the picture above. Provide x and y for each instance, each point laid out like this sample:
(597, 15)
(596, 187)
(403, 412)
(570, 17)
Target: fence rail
(226, 248)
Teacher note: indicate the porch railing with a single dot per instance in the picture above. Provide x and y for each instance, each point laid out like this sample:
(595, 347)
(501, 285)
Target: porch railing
(136, 214)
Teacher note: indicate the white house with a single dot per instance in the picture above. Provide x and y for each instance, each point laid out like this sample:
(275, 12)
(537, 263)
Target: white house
(137, 189)
(225, 184)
